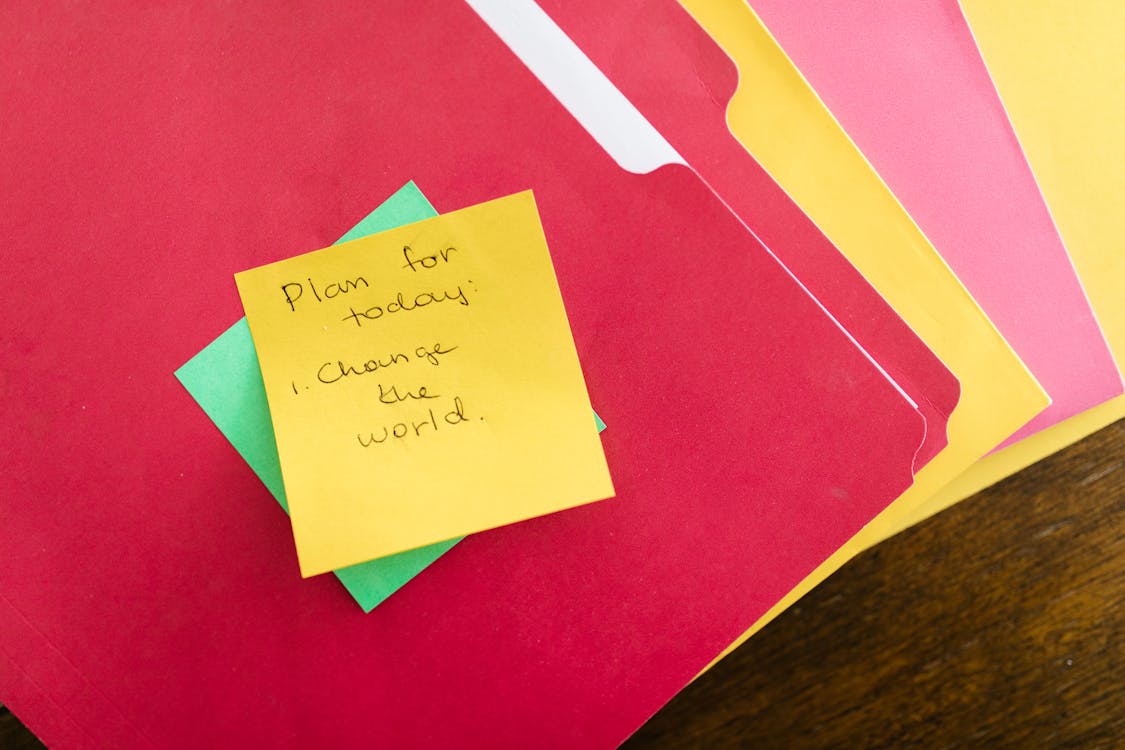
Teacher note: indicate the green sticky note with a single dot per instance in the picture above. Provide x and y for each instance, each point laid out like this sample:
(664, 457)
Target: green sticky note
(225, 380)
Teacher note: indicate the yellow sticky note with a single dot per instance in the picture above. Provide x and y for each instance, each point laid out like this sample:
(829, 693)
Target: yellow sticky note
(1060, 73)
(423, 385)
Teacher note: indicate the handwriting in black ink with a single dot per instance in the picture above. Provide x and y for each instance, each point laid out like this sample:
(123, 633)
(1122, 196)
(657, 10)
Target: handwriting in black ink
(333, 289)
(425, 426)
(427, 262)
(401, 304)
(392, 396)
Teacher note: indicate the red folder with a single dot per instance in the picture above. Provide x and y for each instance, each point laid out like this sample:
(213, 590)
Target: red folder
(149, 593)
(676, 75)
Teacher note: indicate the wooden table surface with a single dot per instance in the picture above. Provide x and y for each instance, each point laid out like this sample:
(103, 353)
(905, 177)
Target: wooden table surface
(996, 624)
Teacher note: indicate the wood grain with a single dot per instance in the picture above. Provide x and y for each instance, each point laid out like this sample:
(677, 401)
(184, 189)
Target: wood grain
(996, 624)
(13, 735)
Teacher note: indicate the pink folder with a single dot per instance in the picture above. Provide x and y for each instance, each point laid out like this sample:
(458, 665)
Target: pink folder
(150, 153)
(907, 83)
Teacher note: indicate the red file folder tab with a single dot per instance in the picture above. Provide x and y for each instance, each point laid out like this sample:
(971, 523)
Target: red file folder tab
(151, 153)
(680, 79)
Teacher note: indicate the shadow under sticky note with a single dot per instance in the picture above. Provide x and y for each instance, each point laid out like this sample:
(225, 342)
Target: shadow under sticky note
(226, 381)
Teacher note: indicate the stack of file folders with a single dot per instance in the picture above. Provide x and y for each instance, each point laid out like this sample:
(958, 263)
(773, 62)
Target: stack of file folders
(577, 340)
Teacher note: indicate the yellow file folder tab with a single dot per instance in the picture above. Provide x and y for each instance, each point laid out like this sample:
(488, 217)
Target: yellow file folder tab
(1060, 73)
(423, 385)
(777, 116)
